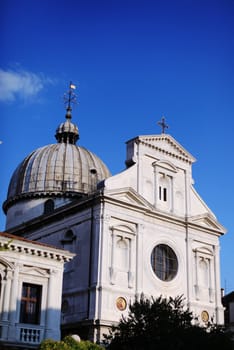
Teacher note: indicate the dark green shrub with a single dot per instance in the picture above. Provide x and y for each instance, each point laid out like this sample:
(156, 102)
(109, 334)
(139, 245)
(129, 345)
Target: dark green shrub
(50, 344)
(68, 343)
(164, 324)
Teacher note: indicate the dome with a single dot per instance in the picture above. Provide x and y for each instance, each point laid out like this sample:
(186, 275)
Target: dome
(58, 170)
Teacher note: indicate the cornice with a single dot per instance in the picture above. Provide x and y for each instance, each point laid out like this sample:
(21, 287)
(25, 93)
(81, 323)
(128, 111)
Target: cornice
(35, 195)
(12, 243)
(58, 214)
(183, 155)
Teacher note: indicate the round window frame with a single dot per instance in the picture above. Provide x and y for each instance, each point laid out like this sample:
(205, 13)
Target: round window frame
(121, 303)
(170, 272)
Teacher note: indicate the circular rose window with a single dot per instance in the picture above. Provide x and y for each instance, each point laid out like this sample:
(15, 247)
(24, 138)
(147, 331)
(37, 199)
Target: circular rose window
(164, 262)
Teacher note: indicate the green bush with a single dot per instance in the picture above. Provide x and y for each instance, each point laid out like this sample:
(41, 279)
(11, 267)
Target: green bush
(164, 324)
(50, 344)
(68, 343)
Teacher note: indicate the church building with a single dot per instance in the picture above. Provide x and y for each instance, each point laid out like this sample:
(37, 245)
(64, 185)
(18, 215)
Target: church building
(144, 230)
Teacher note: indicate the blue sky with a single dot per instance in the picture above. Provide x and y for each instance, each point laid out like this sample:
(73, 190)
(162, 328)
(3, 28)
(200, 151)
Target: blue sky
(132, 61)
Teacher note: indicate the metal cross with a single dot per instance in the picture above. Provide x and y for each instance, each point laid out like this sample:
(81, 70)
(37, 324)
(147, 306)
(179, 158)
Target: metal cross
(70, 96)
(163, 124)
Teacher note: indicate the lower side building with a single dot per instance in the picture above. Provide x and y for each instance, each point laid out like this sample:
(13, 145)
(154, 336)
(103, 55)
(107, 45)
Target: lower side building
(31, 275)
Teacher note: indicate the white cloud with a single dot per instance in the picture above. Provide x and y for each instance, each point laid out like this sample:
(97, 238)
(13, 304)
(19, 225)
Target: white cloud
(20, 83)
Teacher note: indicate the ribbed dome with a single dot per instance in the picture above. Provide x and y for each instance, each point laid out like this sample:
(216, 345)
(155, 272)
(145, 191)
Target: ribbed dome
(56, 169)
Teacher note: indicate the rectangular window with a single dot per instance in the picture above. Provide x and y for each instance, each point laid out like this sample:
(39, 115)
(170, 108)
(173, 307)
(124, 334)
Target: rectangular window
(30, 307)
(160, 192)
(165, 194)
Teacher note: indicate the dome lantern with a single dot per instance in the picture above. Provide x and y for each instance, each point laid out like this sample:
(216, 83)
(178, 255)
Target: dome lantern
(68, 132)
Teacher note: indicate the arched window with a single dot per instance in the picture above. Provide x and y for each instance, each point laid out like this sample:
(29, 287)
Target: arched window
(49, 206)
(68, 238)
(69, 235)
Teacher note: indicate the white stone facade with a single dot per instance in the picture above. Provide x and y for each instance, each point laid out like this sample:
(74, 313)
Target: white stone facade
(119, 232)
(180, 220)
(31, 267)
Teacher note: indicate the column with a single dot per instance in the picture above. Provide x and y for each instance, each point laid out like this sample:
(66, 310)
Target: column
(130, 274)
(3, 283)
(211, 281)
(187, 183)
(155, 185)
(196, 274)
(218, 304)
(52, 327)
(6, 301)
(13, 304)
(6, 296)
(139, 259)
(112, 268)
(171, 198)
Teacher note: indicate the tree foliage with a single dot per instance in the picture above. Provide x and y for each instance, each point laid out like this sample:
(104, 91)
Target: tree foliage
(164, 324)
(68, 343)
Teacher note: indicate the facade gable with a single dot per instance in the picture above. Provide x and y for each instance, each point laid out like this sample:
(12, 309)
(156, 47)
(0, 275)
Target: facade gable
(119, 226)
(5, 264)
(168, 145)
(35, 272)
(168, 166)
(207, 221)
(205, 250)
(128, 196)
(164, 144)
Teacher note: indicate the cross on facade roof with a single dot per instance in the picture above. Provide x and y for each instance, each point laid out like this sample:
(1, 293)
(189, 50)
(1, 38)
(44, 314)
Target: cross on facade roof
(163, 124)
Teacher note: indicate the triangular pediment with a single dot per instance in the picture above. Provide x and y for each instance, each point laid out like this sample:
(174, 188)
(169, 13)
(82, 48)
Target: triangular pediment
(167, 145)
(166, 165)
(30, 270)
(203, 249)
(207, 221)
(129, 196)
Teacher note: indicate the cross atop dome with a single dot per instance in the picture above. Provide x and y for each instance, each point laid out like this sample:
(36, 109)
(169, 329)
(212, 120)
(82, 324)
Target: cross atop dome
(68, 132)
(163, 124)
(69, 99)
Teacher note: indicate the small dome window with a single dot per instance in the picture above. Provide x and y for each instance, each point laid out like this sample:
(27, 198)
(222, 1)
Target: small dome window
(69, 234)
(49, 206)
(93, 171)
(68, 237)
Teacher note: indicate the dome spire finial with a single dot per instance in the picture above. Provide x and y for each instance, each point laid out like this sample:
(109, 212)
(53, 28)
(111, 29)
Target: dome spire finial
(69, 99)
(68, 132)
